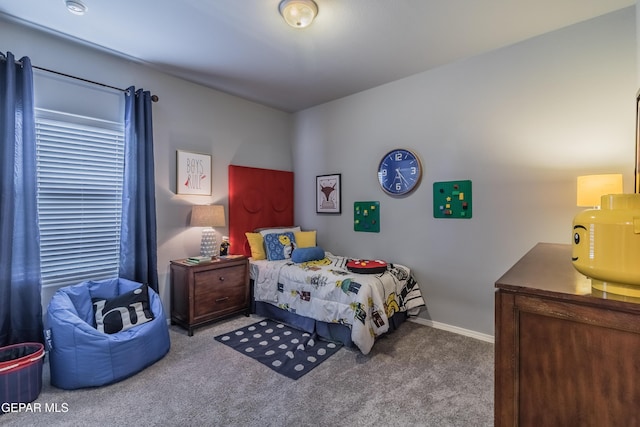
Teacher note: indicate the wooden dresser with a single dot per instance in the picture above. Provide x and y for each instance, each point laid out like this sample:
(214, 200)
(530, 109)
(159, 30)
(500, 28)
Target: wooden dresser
(564, 355)
(210, 291)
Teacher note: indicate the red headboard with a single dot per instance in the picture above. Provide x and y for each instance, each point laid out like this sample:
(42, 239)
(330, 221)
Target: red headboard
(257, 198)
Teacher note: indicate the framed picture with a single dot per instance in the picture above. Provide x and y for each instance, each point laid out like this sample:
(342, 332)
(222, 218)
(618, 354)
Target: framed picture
(193, 173)
(328, 194)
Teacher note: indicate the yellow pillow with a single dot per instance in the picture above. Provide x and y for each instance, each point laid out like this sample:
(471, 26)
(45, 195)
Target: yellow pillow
(257, 246)
(305, 239)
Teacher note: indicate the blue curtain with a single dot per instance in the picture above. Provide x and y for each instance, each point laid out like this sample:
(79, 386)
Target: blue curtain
(138, 241)
(20, 282)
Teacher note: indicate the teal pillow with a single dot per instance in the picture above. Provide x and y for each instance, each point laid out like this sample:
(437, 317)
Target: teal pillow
(314, 253)
(279, 245)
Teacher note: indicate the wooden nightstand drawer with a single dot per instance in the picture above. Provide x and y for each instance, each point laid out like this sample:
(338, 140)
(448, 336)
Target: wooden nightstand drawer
(219, 291)
(207, 292)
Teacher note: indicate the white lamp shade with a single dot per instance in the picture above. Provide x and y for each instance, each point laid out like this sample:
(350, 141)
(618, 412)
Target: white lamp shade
(207, 216)
(592, 187)
(298, 13)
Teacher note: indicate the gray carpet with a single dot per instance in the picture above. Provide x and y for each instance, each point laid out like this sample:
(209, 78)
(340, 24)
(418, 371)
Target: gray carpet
(416, 376)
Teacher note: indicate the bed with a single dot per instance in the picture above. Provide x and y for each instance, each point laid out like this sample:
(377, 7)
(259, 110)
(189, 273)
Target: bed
(301, 284)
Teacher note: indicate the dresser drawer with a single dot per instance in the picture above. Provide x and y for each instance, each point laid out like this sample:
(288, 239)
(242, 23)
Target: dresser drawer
(219, 291)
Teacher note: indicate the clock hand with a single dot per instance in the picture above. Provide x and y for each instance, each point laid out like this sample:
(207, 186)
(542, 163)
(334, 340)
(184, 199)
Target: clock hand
(401, 177)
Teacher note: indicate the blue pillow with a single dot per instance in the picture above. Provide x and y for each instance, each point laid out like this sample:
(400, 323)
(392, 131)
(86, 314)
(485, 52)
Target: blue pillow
(279, 245)
(314, 253)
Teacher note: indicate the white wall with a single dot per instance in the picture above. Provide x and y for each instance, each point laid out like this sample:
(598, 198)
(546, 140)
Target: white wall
(188, 117)
(521, 122)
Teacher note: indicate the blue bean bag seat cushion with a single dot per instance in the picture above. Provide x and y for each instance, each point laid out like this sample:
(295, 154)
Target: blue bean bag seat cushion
(81, 355)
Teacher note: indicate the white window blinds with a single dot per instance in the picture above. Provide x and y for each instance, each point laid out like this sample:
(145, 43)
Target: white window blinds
(80, 173)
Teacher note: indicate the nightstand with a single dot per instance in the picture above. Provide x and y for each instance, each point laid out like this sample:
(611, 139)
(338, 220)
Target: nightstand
(206, 292)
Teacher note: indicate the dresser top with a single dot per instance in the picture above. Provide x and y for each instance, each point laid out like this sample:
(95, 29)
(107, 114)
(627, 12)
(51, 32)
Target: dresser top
(547, 270)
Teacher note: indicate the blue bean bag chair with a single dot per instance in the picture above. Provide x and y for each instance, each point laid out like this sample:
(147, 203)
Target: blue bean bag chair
(101, 332)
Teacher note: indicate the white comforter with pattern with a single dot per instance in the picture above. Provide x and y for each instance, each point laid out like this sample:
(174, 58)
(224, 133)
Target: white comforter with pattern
(325, 290)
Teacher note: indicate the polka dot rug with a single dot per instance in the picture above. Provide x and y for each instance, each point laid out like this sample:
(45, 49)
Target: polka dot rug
(286, 350)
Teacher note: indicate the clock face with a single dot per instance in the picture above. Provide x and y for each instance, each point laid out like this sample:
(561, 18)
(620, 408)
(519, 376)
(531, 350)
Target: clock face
(399, 172)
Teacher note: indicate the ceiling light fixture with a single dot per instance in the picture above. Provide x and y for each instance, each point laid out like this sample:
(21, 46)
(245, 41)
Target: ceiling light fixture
(76, 7)
(298, 13)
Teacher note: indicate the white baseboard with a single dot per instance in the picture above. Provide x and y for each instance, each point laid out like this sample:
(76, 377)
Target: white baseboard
(454, 329)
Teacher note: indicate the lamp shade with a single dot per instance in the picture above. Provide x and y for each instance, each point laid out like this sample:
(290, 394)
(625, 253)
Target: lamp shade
(298, 13)
(592, 187)
(207, 216)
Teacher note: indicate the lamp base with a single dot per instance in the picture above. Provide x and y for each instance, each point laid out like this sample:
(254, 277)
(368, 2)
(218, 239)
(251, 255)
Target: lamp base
(208, 243)
(621, 289)
(606, 245)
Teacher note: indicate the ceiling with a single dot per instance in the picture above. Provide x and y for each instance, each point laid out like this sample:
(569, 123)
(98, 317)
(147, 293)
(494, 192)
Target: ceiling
(244, 47)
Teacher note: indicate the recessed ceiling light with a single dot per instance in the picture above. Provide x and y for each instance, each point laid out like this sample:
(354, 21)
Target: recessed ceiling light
(76, 7)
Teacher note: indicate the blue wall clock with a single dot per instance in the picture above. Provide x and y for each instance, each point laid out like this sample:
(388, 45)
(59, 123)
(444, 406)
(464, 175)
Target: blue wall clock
(399, 172)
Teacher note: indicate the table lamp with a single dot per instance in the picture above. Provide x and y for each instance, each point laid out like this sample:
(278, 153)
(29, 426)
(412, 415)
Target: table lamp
(592, 187)
(208, 216)
(606, 240)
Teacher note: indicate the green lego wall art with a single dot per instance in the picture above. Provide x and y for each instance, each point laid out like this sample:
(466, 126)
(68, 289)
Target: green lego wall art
(366, 216)
(452, 199)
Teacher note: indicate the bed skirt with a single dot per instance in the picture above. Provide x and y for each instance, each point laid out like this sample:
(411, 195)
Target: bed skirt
(335, 332)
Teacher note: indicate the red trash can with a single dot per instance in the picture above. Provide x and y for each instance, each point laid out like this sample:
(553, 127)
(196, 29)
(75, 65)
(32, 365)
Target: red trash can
(21, 372)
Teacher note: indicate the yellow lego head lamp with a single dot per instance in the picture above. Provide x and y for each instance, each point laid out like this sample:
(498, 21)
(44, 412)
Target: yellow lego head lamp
(606, 244)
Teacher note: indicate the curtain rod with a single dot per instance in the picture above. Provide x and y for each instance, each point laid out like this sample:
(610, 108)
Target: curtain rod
(154, 98)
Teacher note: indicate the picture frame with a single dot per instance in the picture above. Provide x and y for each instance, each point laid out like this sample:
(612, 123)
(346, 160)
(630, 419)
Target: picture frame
(193, 173)
(329, 194)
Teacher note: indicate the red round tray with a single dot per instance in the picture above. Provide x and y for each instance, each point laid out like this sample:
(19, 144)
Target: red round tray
(366, 266)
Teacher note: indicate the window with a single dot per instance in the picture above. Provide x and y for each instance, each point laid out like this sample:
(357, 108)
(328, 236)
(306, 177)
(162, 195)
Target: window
(80, 172)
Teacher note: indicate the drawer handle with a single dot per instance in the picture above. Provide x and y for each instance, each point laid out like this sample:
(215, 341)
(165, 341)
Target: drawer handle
(222, 299)
(221, 278)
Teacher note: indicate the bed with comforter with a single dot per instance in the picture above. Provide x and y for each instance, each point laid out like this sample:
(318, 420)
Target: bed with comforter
(326, 291)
